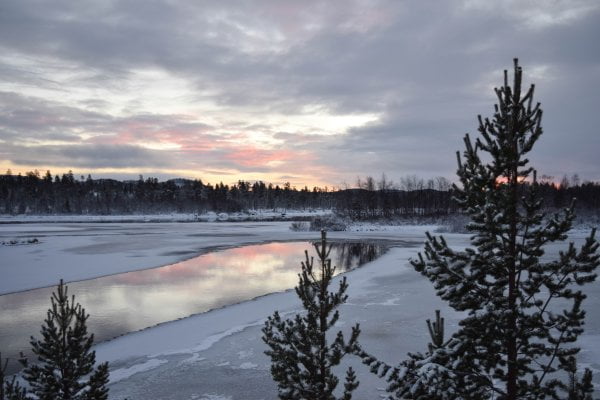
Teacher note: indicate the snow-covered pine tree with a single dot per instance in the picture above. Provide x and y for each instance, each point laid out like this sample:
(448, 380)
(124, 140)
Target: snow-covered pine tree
(514, 339)
(301, 357)
(524, 313)
(9, 389)
(64, 368)
(421, 376)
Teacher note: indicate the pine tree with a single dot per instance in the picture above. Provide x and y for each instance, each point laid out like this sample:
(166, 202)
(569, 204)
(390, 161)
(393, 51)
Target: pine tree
(421, 376)
(515, 342)
(9, 389)
(301, 358)
(512, 341)
(436, 332)
(65, 363)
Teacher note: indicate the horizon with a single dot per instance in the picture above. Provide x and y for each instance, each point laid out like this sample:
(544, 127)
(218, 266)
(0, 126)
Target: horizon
(359, 183)
(315, 94)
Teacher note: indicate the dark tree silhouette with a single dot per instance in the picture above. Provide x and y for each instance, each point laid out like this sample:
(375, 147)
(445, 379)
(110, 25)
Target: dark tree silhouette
(64, 367)
(9, 389)
(301, 356)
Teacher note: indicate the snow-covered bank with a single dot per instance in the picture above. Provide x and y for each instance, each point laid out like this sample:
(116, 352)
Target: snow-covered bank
(250, 215)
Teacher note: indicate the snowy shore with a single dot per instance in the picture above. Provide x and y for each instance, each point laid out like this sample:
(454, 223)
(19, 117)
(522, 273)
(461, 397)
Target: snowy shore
(219, 354)
(252, 215)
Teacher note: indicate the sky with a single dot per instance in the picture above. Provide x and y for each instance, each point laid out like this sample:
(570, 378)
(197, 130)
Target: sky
(306, 92)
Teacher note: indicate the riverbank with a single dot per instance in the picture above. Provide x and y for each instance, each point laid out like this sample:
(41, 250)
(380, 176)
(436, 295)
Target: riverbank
(246, 216)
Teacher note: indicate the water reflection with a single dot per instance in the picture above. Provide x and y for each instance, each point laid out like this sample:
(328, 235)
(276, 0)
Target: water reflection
(127, 302)
(352, 255)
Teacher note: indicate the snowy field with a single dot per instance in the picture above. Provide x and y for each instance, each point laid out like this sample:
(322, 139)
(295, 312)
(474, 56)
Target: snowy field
(252, 215)
(219, 355)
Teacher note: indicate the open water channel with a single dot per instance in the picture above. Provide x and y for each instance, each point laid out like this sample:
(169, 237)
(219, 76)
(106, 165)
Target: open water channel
(127, 302)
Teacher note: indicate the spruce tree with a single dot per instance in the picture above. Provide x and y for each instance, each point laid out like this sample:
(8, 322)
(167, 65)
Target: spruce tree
(516, 342)
(64, 368)
(301, 357)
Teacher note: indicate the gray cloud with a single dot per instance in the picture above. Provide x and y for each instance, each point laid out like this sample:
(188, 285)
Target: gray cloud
(426, 67)
(30, 112)
(89, 156)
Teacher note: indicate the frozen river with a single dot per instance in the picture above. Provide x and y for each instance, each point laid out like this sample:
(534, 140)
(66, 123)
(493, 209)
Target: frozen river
(219, 354)
(127, 302)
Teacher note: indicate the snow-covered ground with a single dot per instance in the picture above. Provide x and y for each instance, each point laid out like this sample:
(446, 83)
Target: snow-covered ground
(219, 354)
(250, 215)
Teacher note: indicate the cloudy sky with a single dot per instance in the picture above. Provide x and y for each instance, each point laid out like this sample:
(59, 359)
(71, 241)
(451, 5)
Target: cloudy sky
(310, 92)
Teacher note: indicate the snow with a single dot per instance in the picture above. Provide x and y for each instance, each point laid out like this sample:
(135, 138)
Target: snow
(401, 229)
(124, 373)
(251, 215)
(247, 365)
(219, 354)
(209, 397)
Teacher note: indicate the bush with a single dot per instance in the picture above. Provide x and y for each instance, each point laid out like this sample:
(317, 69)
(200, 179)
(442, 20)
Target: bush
(454, 224)
(300, 226)
(328, 223)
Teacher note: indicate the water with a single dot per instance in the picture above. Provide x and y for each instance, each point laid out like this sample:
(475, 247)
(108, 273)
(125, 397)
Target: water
(128, 302)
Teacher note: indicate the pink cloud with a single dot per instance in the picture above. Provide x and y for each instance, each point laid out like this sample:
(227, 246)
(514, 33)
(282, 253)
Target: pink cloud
(191, 136)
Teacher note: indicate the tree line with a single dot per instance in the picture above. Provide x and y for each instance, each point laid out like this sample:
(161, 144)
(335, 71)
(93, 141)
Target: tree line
(34, 194)
(369, 199)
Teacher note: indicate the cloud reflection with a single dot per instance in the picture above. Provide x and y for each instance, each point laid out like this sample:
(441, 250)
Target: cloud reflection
(131, 301)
